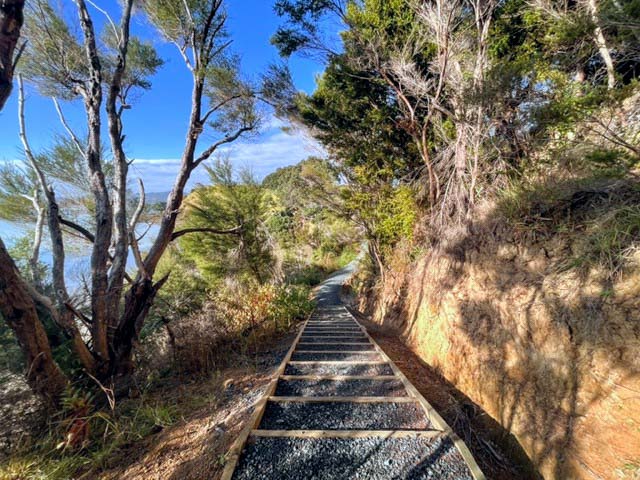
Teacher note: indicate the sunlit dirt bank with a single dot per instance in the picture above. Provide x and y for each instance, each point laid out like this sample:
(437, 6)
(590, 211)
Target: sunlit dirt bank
(548, 348)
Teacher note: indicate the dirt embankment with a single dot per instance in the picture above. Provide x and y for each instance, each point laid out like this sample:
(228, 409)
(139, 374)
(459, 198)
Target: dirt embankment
(549, 350)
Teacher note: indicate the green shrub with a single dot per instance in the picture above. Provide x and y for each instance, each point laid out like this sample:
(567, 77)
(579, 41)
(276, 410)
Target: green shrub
(610, 162)
(291, 303)
(184, 293)
(310, 275)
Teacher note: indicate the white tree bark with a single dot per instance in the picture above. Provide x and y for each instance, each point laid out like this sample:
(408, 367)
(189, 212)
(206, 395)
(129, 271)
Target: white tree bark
(63, 316)
(34, 260)
(601, 43)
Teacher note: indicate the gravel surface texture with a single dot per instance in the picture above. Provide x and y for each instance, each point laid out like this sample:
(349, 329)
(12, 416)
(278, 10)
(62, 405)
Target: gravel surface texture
(332, 324)
(332, 329)
(371, 458)
(341, 388)
(330, 317)
(354, 459)
(334, 334)
(341, 347)
(344, 416)
(311, 339)
(340, 357)
(338, 369)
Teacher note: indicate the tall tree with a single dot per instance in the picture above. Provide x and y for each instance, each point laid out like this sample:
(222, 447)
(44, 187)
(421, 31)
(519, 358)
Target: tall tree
(101, 70)
(230, 213)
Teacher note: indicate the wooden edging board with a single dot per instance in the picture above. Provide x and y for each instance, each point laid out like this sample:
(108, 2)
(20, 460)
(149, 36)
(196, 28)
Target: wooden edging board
(432, 415)
(347, 433)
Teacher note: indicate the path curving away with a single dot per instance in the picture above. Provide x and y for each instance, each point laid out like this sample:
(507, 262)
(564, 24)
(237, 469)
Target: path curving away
(340, 409)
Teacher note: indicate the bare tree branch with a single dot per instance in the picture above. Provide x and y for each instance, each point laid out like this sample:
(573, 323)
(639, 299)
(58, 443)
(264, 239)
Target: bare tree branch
(232, 231)
(132, 232)
(110, 20)
(55, 232)
(228, 139)
(66, 126)
(78, 228)
(81, 316)
(121, 166)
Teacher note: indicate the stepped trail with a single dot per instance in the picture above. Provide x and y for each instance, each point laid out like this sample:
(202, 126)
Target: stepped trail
(339, 408)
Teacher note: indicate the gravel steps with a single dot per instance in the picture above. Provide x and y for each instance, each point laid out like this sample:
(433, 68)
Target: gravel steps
(332, 327)
(344, 416)
(333, 346)
(324, 339)
(350, 331)
(333, 334)
(331, 322)
(341, 388)
(336, 357)
(340, 428)
(338, 369)
(354, 459)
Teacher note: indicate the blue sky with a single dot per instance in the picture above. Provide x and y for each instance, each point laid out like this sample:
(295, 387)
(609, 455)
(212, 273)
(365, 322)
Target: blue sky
(155, 127)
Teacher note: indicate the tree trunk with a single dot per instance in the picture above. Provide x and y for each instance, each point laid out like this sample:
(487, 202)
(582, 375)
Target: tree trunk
(138, 301)
(121, 167)
(19, 310)
(140, 296)
(11, 20)
(92, 93)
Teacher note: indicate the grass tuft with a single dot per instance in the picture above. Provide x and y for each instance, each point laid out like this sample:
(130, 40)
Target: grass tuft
(600, 219)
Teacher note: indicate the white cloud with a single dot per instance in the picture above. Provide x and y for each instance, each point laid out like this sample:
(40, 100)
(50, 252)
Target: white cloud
(263, 156)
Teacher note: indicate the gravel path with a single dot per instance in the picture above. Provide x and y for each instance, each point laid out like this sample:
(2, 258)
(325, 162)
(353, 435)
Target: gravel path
(331, 346)
(338, 369)
(344, 416)
(352, 357)
(324, 339)
(332, 327)
(332, 324)
(333, 331)
(366, 456)
(354, 459)
(341, 388)
(334, 334)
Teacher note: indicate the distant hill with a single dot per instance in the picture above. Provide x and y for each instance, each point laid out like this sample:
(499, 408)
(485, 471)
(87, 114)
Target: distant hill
(156, 197)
